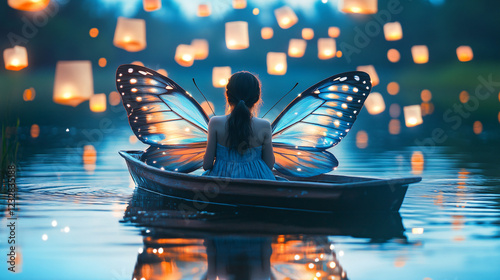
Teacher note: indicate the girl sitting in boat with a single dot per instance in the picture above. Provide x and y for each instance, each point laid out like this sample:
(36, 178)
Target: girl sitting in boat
(240, 144)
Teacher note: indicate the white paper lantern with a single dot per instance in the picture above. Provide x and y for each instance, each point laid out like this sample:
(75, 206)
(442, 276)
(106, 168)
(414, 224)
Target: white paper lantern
(97, 103)
(204, 10)
(276, 63)
(393, 31)
(220, 76)
(73, 82)
(358, 6)
(326, 48)
(151, 5)
(333, 31)
(237, 35)
(420, 54)
(239, 4)
(130, 34)
(266, 33)
(296, 47)
(464, 53)
(15, 58)
(413, 115)
(200, 48)
(307, 33)
(286, 17)
(184, 55)
(371, 71)
(374, 103)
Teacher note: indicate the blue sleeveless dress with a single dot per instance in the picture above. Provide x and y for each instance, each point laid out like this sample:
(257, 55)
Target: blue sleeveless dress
(232, 164)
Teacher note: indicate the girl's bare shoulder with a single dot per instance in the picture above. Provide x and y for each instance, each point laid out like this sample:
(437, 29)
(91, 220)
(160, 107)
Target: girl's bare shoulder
(261, 123)
(217, 121)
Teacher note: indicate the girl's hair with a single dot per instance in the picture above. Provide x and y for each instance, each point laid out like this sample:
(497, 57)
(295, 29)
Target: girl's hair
(242, 95)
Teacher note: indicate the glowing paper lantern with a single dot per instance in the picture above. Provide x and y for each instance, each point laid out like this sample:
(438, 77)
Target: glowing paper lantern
(375, 103)
(35, 131)
(393, 55)
(276, 63)
(184, 55)
(393, 88)
(29, 5)
(93, 32)
(151, 5)
(464, 53)
(130, 34)
(114, 98)
(220, 76)
(239, 4)
(371, 71)
(102, 62)
(97, 103)
(204, 10)
(266, 33)
(237, 35)
(296, 47)
(15, 58)
(413, 115)
(420, 54)
(255, 11)
(73, 82)
(307, 33)
(326, 48)
(333, 31)
(29, 94)
(393, 31)
(358, 6)
(286, 17)
(200, 48)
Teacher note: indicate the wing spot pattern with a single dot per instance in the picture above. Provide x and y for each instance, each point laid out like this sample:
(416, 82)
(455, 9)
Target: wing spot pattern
(130, 70)
(133, 81)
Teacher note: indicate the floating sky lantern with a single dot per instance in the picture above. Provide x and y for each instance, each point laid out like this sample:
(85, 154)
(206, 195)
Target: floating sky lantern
(286, 17)
(102, 62)
(130, 34)
(371, 71)
(97, 103)
(207, 107)
(375, 103)
(394, 126)
(413, 115)
(151, 5)
(393, 88)
(266, 33)
(29, 94)
(358, 6)
(296, 47)
(220, 76)
(114, 98)
(326, 48)
(307, 33)
(15, 58)
(393, 55)
(184, 55)
(339, 54)
(204, 10)
(200, 48)
(73, 82)
(255, 11)
(333, 31)
(420, 54)
(237, 35)
(276, 63)
(28, 5)
(464, 53)
(393, 31)
(35, 131)
(362, 139)
(239, 4)
(93, 32)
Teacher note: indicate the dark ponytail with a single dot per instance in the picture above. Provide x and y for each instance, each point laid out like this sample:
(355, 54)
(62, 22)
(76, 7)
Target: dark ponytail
(242, 93)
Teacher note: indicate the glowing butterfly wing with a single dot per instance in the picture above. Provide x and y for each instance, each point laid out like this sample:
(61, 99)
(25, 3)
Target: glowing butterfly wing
(316, 120)
(179, 159)
(160, 112)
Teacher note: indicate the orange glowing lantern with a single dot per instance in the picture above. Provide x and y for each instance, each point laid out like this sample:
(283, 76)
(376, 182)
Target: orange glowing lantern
(130, 34)
(362, 139)
(464, 96)
(358, 6)
(477, 127)
(237, 35)
(28, 5)
(276, 63)
(73, 82)
(35, 131)
(393, 88)
(266, 33)
(375, 103)
(394, 127)
(102, 62)
(296, 47)
(204, 10)
(286, 17)
(93, 32)
(151, 5)
(15, 58)
(307, 33)
(29, 94)
(97, 103)
(413, 115)
(393, 31)
(426, 95)
(420, 54)
(207, 107)
(200, 48)
(184, 55)
(239, 4)
(255, 11)
(393, 55)
(326, 48)
(114, 98)
(464, 53)
(163, 72)
(371, 71)
(220, 76)
(333, 31)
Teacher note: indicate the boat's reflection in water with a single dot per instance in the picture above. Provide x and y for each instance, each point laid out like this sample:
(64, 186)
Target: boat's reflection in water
(229, 243)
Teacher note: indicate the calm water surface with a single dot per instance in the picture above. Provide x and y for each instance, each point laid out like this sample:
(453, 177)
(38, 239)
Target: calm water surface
(77, 220)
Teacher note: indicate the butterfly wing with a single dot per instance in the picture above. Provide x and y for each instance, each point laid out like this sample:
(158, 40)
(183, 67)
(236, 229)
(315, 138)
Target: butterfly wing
(162, 114)
(316, 120)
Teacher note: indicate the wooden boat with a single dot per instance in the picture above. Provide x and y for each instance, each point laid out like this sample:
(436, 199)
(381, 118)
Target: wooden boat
(323, 193)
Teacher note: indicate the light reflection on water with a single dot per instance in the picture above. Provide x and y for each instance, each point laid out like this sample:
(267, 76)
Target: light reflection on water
(106, 230)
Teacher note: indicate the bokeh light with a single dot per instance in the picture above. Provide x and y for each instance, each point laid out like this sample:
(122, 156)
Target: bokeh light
(393, 88)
